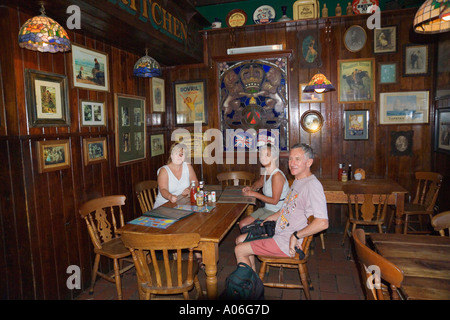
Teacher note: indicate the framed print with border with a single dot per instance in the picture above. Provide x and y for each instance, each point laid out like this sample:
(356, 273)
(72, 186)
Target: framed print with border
(356, 80)
(402, 143)
(53, 155)
(355, 38)
(47, 99)
(310, 49)
(404, 107)
(156, 144)
(93, 113)
(94, 150)
(130, 129)
(310, 96)
(158, 95)
(443, 70)
(356, 124)
(442, 130)
(385, 40)
(190, 102)
(90, 68)
(415, 60)
(311, 121)
(387, 72)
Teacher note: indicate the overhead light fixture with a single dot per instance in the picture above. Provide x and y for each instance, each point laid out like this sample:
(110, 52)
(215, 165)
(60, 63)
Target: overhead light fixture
(146, 67)
(320, 84)
(433, 16)
(43, 34)
(268, 48)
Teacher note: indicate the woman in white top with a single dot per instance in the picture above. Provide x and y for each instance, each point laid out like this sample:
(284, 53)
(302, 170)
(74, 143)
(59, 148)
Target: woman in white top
(275, 187)
(174, 180)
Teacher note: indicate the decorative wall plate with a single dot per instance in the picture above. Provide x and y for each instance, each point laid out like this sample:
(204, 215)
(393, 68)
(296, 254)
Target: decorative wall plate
(236, 18)
(264, 14)
(311, 121)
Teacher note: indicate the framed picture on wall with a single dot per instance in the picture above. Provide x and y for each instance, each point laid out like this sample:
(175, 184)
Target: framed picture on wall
(442, 130)
(190, 102)
(356, 80)
(310, 96)
(387, 72)
(415, 60)
(158, 95)
(93, 113)
(47, 99)
(310, 49)
(356, 124)
(385, 39)
(402, 143)
(90, 68)
(156, 144)
(53, 155)
(130, 129)
(404, 107)
(94, 150)
(443, 70)
(355, 38)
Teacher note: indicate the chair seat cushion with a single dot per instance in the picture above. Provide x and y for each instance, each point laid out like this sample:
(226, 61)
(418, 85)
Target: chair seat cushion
(113, 249)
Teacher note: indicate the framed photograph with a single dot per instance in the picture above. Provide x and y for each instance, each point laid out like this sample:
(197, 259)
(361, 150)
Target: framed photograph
(415, 60)
(190, 102)
(158, 95)
(53, 155)
(311, 121)
(90, 68)
(94, 150)
(356, 80)
(404, 107)
(443, 70)
(387, 72)
(385, 39)
(355, 38)
(47, 99)
(442, 133)
(156, 144)
(310, 96)
(130, 129)
(309, 46)
(356, 124)
(93, 113)
(402, 143)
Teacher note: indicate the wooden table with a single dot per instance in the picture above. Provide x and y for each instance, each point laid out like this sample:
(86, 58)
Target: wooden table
(334, 194)
(212, 227)
(424, 260)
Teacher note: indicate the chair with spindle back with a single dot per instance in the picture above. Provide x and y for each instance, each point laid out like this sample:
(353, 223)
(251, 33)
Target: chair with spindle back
(236, 178)
(102, 224)
(370, 262)
(163, 276)
(440, 222)
(146, 192)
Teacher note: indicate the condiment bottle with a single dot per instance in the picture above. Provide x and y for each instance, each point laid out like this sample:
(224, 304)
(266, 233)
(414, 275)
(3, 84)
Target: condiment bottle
(193, 192)
(344, 175)
(200, 199)
(349, 173)
(340, 172)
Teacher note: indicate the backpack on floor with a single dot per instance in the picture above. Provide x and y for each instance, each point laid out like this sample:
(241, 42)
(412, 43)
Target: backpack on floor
(243, 284)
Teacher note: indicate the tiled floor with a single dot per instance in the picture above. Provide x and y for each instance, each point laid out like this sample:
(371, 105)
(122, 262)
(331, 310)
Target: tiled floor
(332, 275)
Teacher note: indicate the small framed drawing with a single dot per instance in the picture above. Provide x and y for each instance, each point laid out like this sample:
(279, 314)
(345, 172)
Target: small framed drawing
(90, 68)
(387, 72)
(310, 96)
(415, 60)
(404, 107)
(311, 121)
(402, 143)
(130, 129)
(158, 95)
(47, 99)
(92, 113)
(53, 155)
(356, 124)
(309, 46)
(190, 102)
(156, 144)
(355, 38)
(356, 80)
(442, 133)
(94, 150)
(385, 40)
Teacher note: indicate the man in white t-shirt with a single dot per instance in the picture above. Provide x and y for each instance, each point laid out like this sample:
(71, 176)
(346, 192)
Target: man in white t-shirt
(305, 198)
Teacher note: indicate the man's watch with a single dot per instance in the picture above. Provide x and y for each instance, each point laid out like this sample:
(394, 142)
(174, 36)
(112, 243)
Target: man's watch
(295, 235)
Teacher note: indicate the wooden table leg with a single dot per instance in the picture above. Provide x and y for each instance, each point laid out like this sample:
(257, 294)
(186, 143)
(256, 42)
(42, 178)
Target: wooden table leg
(400, 210)
(210, 252)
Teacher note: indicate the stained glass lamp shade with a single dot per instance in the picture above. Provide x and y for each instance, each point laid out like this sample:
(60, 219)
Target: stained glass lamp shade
(43, 34)
(319, 83)
(146, 67)
(433, 17)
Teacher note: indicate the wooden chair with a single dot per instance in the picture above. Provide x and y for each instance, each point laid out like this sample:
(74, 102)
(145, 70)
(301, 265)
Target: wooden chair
(236, 178)
(146, 192)
(100, 216)
(428, 185)
(164, 276)
(370, 262)
(367, 205)
(290, 263)
(440, 222)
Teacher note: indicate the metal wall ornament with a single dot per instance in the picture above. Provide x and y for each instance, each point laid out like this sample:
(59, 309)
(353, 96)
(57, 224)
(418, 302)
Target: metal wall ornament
(311, 121)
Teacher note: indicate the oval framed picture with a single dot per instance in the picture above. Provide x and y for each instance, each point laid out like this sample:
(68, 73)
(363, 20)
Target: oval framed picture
(355, 38)
(264, 14)
(236, 18)
(311, 121)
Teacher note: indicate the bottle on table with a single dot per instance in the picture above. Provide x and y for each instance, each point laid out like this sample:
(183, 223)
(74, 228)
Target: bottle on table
(200, 199)
(344, 175)
(349, 172)
(193, 192)
(340, 172)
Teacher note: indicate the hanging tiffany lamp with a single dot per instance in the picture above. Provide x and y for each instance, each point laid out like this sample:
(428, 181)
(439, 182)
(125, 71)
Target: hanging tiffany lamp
(146, 67)
(43, 34)
(433, 17)
(320, 84)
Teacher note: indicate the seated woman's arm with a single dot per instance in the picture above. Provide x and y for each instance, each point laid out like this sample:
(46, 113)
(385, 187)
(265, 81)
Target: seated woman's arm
(163, 185)
(277, 188)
